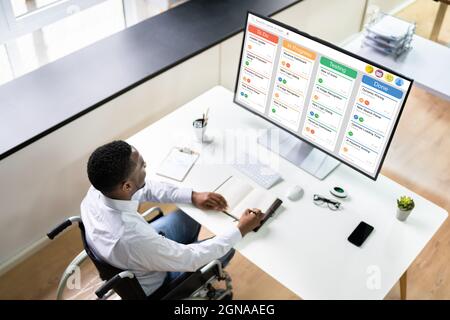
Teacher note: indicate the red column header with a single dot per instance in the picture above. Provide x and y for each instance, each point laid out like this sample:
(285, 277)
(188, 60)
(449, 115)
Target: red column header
(263, 34)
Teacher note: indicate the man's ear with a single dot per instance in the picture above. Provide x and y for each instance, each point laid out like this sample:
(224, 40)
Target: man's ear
(126, 186)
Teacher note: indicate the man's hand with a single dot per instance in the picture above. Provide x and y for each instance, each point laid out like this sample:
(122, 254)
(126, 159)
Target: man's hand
(249, 220)
(209, 201)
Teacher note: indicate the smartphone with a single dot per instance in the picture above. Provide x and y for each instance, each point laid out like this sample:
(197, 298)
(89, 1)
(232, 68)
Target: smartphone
(360, 234)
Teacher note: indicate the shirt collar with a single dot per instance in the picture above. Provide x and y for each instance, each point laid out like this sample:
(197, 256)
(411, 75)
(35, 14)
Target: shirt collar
(121, 205)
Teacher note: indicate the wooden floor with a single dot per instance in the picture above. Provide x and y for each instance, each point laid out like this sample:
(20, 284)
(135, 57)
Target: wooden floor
(419, 158)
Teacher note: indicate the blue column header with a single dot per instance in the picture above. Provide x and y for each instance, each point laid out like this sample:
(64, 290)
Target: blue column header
(384, 87)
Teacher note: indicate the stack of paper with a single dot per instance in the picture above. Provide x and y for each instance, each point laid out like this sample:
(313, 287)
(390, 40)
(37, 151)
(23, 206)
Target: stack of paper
(389, 35)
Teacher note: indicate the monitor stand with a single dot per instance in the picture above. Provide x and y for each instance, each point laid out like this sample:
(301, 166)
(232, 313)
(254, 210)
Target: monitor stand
(301, 154)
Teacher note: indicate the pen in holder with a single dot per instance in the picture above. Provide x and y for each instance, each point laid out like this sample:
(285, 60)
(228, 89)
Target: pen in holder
(200, 126)
(199, 129)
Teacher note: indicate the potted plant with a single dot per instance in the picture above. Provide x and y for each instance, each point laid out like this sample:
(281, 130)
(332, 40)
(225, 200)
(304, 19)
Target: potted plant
(404, 207)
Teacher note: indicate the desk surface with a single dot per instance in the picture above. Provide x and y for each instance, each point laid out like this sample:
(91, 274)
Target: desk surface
(303, 246)
(427, 63)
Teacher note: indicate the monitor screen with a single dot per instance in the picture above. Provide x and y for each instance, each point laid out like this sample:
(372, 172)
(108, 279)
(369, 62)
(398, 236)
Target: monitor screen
(337, 101)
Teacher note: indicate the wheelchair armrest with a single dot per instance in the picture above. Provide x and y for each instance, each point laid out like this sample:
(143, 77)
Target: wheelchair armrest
(214, 264)
(111, 283)
(152, 210)
(60, 228)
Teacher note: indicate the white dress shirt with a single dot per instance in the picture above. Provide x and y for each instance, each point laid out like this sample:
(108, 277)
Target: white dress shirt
(121, 236)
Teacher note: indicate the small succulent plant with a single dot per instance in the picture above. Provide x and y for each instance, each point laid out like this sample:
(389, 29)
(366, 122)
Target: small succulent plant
(405, 203)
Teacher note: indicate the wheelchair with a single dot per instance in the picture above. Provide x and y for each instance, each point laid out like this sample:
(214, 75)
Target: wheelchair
(198, 285)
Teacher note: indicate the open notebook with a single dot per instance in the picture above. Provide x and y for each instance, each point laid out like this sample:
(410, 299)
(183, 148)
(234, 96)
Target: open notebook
(241, 196)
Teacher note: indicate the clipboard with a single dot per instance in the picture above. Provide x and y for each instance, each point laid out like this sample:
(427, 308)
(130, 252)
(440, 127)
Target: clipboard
(177, 163)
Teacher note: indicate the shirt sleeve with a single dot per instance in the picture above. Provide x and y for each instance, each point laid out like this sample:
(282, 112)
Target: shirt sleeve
(156, 191)
(158, 253)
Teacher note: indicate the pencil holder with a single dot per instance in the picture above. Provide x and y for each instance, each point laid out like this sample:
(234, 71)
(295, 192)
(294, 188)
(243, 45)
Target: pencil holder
(199, 129)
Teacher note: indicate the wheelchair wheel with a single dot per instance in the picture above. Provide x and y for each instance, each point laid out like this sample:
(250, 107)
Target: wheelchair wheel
(228, 297)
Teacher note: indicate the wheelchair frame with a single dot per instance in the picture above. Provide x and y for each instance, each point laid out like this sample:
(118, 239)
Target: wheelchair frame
(213, 272)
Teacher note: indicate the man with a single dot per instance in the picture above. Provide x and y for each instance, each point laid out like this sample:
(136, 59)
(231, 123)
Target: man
(158, 252)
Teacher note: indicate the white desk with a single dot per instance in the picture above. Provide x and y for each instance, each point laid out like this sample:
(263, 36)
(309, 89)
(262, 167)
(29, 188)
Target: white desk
(427, 63)
(304, 246)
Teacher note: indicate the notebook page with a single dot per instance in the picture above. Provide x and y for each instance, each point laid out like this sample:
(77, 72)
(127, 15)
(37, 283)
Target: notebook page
(234, 190)
(257, 198)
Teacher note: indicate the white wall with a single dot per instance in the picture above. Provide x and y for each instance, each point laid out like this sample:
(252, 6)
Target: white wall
(386, 6)
(45, 182)
(390, 6)
(331, 20)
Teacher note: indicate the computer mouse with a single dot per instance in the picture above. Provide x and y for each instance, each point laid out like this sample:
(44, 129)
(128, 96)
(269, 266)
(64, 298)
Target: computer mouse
(295, 193)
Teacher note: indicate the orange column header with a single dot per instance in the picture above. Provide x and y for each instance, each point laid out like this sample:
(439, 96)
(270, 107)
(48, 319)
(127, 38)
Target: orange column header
(299, 50)
(264, 34)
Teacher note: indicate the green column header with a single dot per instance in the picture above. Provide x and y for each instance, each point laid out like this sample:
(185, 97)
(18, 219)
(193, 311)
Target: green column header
(338, 67)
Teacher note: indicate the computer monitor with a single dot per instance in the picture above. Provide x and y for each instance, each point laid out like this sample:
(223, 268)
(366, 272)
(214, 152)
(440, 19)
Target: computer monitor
(343, 106)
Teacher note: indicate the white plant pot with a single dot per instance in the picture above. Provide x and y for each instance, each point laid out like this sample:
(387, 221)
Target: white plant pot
(402, 215)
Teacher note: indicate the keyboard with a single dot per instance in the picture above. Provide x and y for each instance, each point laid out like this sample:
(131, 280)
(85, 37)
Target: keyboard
(259, 172)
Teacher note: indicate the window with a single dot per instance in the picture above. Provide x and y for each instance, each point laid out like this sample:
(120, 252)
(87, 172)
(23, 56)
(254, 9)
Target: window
(5, 68)
(22, 7)
(36, 32)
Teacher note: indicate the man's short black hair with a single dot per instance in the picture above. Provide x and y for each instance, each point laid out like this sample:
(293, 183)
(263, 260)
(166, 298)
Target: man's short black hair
(109, 165)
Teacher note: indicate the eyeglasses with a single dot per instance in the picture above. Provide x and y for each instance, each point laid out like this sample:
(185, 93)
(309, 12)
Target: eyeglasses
(322, 201)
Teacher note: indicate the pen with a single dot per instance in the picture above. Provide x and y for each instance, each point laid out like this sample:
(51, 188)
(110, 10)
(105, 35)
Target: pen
(222, 183)
(230, 215)
(206, 116)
